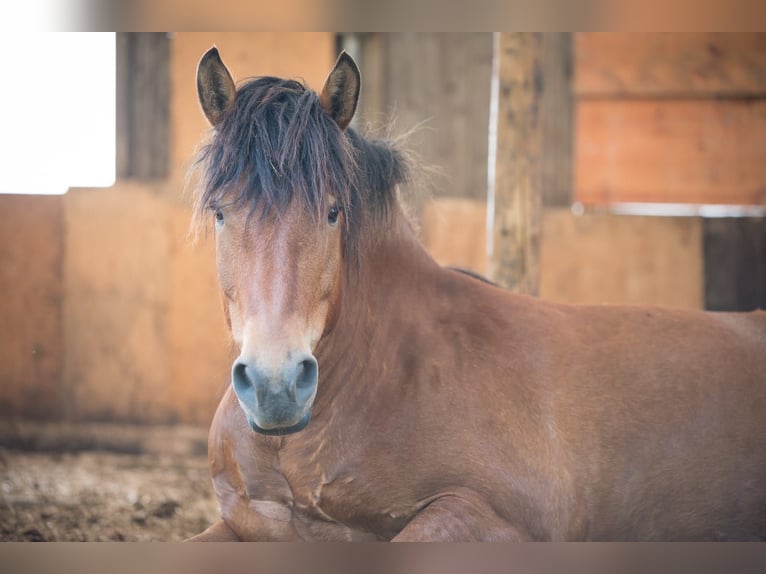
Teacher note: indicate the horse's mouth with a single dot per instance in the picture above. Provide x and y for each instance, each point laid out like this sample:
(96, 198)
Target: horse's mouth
(280, 431)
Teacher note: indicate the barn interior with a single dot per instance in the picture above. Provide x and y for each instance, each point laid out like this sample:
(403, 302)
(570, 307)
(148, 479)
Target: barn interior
(627, 169)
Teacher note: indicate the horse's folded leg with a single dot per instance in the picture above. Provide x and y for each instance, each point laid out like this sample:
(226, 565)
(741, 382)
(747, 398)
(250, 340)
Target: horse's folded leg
(217, 532)
(458, 517)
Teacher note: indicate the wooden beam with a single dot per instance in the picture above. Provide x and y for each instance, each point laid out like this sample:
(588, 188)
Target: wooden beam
(514, 198)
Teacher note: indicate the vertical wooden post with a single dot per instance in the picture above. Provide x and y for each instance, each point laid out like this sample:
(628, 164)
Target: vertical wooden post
(515, 142)
(143, 105)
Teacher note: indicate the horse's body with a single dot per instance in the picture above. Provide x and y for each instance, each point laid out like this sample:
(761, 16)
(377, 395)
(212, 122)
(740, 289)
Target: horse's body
(451, 409)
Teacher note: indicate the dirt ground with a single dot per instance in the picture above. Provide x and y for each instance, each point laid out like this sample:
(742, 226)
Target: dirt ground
(65, 490)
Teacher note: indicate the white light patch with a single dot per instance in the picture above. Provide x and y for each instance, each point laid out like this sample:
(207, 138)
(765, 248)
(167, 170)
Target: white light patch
(58, 102)
(42, 15)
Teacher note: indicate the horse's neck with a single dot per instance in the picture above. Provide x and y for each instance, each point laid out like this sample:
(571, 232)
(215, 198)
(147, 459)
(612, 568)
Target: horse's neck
(393, 272)
(391, 281)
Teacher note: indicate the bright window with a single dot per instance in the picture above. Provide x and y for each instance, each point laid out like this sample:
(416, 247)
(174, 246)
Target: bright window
(58, 104)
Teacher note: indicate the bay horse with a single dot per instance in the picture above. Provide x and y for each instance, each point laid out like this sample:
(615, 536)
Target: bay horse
(380, 396)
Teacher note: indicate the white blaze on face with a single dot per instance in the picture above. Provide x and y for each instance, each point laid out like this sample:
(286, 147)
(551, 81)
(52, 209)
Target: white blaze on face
(278, 275)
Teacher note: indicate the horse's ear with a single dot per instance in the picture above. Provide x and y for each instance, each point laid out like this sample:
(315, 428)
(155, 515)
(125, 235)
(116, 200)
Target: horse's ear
(215, 87)
(341, 91)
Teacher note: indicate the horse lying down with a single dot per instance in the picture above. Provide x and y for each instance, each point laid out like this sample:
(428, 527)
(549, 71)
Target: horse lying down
(379, 396)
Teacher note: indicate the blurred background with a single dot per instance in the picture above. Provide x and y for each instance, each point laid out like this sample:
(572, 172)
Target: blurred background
(642, 158)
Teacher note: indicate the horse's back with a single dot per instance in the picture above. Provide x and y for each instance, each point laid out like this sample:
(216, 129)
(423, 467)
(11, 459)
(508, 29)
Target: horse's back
(649, 423)
(666, 422)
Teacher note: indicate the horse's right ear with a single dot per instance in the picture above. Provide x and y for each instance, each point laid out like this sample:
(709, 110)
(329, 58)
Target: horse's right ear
(215, 87)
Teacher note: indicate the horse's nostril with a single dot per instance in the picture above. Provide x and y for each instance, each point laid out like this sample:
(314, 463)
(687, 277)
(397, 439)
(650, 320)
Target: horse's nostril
(307, 373)
(306, 381)
(239, 375)
(243, 383)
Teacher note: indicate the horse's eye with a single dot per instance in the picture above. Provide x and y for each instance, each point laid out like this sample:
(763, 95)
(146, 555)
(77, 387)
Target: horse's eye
(218, 217)
(332, 216)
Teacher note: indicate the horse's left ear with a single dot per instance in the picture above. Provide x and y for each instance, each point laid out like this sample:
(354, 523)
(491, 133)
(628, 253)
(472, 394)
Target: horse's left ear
(341, 91)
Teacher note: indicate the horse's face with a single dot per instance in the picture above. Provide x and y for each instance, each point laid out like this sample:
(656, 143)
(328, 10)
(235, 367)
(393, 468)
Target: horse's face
(279, 273)
(280, 276)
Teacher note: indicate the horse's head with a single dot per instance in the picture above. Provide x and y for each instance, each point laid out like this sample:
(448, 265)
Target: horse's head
(277, 187)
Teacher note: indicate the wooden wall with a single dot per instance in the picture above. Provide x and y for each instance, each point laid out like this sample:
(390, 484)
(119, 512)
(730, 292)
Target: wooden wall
(670, 118)
(680, 118)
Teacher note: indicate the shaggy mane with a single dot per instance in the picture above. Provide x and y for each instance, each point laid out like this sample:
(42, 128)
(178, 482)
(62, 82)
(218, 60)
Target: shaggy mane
(277, 145)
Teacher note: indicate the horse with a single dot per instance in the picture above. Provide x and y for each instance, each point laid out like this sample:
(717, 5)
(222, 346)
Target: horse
(380, 396)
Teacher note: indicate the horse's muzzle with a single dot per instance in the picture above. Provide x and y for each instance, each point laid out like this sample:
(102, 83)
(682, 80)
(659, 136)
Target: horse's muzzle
(276, 401)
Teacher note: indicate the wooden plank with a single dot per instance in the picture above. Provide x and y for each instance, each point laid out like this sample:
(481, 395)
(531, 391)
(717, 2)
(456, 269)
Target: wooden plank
(514, 198)
(455, 230)
(440, 84)
(735, 264)
(150, 142)
(115, 313)
(143, 104)
(557, 102)
(31, 342)
(601, 258)
(670, 64)
(700, 151)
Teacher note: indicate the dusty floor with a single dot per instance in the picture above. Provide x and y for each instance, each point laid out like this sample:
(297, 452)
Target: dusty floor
(91, 495)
